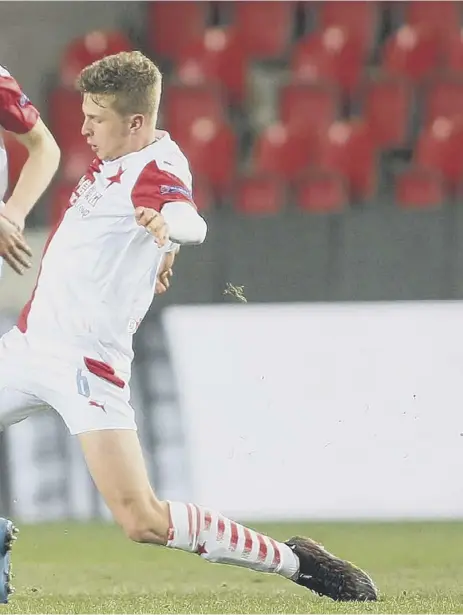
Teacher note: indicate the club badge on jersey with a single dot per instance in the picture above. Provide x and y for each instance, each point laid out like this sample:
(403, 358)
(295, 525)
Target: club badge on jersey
(176, 190)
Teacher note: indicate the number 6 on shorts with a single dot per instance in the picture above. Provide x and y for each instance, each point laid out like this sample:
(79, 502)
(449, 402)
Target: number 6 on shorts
(83, 388)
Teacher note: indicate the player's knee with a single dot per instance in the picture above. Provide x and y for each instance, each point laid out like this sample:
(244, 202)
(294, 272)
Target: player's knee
(146, 522)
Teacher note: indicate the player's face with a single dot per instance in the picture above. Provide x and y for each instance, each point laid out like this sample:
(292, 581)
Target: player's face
(107, 132)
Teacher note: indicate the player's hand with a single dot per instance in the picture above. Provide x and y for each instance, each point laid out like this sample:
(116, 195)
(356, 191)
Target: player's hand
(165, 271)
(14, 216)
(154, 222)
(13, 247)
(163, 281)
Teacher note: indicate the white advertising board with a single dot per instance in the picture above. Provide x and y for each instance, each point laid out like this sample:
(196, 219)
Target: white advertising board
(322, 411)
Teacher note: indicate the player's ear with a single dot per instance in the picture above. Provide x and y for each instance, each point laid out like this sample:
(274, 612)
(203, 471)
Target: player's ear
(136, 122)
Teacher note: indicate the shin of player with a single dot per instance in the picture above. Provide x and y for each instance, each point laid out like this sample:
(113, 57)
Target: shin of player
(116, 463)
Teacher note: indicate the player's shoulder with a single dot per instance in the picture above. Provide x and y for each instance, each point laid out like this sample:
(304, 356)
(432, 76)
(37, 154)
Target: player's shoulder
(7, 81)
(163, 159)
(4, 72)
(11, 89)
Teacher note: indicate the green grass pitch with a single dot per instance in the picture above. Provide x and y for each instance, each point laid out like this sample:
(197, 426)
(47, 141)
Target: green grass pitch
(92, 568)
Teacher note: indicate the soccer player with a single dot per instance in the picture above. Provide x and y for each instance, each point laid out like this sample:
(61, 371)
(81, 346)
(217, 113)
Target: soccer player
(72, 348)
(21, 118)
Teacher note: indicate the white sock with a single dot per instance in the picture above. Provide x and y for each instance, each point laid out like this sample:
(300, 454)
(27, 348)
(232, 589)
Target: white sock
(218, 539)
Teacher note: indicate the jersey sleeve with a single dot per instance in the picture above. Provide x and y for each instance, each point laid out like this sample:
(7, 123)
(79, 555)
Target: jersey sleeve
(17, 113)
(155, 187)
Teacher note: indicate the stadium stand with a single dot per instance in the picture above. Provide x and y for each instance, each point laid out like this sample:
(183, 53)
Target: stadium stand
(329, 103)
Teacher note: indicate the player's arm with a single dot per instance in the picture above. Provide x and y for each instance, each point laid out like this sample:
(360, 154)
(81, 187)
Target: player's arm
(178, 222)
(164, 206)
(37, 172)
(165, 270)
(21, 118)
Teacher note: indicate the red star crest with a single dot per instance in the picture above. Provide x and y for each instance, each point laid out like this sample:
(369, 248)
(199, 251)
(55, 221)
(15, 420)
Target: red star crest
(115, 179)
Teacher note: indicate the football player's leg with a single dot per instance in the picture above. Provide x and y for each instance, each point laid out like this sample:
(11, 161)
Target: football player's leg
(115, 461)
(15, 405)
(17, 399)
(99, 413)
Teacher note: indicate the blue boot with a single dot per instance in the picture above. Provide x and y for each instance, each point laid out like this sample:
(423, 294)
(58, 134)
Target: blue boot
(7, 537)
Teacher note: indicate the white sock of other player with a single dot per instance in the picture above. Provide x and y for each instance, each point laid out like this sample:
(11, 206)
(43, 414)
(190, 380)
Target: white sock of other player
(217, 539)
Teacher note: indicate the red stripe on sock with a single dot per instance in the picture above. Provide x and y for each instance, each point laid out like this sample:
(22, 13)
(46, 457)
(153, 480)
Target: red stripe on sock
(207, 520)
(190, 524)
(247, 542)
(220, 529)
(171, 532)
(198, 521)
(234, 536)
(276, 553)
(262, 548)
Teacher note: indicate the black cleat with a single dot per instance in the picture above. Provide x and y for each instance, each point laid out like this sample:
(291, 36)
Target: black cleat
(327, 575)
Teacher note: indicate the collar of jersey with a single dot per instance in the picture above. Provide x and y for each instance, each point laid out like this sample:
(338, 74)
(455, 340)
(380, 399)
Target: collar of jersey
(160, 135)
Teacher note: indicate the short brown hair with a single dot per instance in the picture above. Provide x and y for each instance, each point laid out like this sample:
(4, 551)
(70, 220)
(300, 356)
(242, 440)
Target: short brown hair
(130, 77)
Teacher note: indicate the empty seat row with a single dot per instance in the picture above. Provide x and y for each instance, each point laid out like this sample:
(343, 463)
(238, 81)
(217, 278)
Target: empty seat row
(388, 105)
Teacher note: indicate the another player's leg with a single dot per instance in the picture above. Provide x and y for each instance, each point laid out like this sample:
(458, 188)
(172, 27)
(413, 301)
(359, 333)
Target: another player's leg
(15, 406)
(115, 461)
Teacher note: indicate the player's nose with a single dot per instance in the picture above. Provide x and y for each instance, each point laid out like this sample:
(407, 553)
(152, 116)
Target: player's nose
(85, 129)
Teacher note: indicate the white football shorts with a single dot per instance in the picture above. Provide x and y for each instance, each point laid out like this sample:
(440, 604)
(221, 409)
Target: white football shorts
(31, 382)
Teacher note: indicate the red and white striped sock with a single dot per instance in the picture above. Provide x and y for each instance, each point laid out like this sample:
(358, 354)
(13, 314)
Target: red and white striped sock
(218, 539)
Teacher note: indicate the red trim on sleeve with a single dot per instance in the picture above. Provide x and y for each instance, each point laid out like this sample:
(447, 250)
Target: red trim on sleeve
(17, 113)
(155, 187)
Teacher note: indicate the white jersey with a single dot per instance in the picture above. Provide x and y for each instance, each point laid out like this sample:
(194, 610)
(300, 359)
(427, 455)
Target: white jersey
(98, 272)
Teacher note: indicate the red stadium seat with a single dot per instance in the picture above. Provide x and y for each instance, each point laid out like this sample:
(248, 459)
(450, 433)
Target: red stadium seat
(322, 192)
(387, 106)
(443, 98)
(359, 18)
(278, 152)
(330, 55)
(440, 148)
(17, 156)
(212, 152)
(260, 194)
(272, 40)
(87, 49)
(75, 161)
(411, 52)
(348, 148)
(183, 105)
(171, 26)
(218, 57)
(307, 109)
(453, 51)
(65, 116)
(419, 188)
(442, 17)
